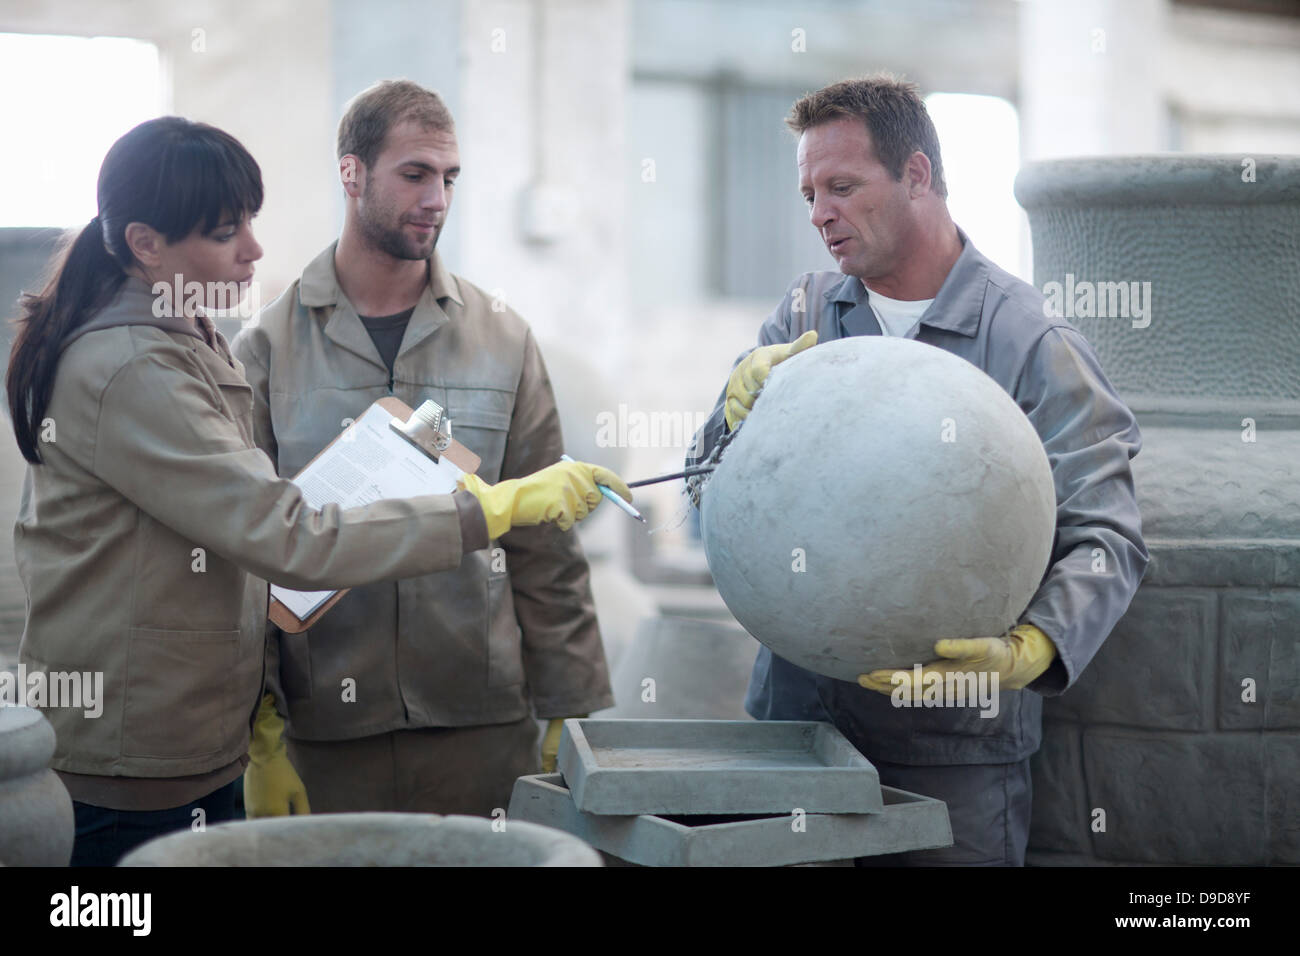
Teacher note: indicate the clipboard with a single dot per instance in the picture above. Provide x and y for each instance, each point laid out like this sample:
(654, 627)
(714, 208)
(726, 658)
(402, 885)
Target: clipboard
(460, 456)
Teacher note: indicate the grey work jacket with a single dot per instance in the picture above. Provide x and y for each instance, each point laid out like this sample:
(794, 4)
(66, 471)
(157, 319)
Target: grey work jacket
(145, 538)
(994, 321)
(515, 621)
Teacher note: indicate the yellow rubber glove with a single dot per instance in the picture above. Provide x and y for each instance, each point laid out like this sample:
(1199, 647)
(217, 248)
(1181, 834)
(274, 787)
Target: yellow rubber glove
(551, 743)
(1018, 657)
(748, 377)
(564, 493)
(272, 788)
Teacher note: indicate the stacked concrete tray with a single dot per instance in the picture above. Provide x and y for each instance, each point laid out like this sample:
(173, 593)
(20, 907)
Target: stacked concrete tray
(724, 793)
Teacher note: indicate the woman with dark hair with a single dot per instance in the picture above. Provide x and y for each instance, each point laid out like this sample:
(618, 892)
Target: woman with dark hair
(150, 521)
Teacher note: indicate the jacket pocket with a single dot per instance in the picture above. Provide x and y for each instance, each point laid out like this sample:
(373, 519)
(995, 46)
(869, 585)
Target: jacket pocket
(179, 692)
(239, 408)
(480, 420)
(504, 639)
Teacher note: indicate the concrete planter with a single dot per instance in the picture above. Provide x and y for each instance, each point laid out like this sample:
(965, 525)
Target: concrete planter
(36, 821)
(1185, 729)
(367, 839)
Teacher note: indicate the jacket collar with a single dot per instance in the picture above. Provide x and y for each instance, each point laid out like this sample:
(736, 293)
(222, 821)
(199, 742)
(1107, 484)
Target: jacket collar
(959, 303)
(134, 304)
(319, 288)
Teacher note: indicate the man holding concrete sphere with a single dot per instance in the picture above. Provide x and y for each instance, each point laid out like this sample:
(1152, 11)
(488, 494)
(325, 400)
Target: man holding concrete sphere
(870, 171)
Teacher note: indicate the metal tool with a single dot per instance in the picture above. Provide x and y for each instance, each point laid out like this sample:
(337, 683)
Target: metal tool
(689, 472)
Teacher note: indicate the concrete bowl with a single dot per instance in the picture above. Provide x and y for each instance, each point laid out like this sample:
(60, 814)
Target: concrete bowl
(367, 839)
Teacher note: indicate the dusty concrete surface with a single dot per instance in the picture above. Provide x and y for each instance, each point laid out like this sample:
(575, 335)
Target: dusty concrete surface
(367, 839)
(882, 495)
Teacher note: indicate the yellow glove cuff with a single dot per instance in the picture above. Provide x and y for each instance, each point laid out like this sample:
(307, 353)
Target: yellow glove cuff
(268, 732)
(551, 742)
(1033, 652)
(747, 378)
(497, 502)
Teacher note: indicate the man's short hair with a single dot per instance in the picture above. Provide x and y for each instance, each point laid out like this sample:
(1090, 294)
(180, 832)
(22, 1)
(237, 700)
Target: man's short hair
(894, 113)
(374, 111)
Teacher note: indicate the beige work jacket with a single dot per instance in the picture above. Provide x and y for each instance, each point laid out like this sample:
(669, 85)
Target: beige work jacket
(466, 646)
(144, 537)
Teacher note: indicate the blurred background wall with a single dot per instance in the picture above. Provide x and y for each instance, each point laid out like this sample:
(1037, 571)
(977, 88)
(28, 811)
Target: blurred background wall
(628, 183)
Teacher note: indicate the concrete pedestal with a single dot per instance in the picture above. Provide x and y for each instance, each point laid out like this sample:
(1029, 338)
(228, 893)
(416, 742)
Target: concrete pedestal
(36, 820)
(1185, 729)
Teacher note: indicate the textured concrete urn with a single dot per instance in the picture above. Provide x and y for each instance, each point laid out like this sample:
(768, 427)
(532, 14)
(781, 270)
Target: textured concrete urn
(1181, 741)
(367, 839)
(36, 822)
(881, 495)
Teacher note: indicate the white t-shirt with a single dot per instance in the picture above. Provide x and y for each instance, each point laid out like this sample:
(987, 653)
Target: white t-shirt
(896, 317)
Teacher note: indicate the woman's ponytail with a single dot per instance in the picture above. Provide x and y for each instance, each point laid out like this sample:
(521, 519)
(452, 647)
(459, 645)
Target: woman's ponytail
(84, 279)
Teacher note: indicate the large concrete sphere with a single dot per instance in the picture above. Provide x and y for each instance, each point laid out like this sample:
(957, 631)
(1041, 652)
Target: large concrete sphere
(910, 489)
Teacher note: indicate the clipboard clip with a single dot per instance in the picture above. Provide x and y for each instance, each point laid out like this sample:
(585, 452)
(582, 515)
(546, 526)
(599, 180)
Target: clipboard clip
(429, 429)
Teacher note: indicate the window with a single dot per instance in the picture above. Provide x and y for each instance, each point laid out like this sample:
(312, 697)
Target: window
(979, 142)
(69, 99)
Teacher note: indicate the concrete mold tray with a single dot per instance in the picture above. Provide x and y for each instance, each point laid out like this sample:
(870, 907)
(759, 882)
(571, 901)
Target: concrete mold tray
(906, 822)
(714, 766)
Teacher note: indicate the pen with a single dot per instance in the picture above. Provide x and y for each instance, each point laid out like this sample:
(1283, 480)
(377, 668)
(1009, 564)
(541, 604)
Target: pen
(613, 496)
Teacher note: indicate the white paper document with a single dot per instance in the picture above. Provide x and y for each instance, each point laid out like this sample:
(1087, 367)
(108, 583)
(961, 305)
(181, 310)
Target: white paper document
(369, 462)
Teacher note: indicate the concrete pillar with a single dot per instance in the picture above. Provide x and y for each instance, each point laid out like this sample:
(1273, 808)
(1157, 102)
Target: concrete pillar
(542, 93)
(1090, 77)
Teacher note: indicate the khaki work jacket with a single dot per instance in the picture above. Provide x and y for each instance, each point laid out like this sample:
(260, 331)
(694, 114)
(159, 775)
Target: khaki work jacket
(144, 537)
(467, 646)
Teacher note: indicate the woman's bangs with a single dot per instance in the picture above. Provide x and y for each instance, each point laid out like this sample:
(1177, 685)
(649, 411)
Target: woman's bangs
(208, 180)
